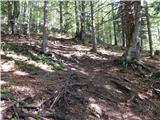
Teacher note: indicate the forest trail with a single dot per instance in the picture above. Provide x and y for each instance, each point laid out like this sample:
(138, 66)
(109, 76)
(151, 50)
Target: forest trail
(112, 92)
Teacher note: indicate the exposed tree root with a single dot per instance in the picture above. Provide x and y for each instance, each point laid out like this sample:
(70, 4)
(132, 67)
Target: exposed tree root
(155, 74)
(138, 65)
(68, 90)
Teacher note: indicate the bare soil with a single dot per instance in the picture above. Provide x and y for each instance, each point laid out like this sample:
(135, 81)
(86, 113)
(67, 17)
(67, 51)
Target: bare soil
(112, 92)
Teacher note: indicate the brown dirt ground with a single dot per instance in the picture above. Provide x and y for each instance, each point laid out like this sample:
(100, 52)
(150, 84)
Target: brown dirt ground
(115, 101)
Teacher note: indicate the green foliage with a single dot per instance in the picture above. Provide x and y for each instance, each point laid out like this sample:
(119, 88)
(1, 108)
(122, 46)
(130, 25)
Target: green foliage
(3, 90)
(27, 67)
(13, 118)
(156, 6)
(28, 51)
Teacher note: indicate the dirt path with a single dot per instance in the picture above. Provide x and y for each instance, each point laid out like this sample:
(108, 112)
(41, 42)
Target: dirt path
(114, 93)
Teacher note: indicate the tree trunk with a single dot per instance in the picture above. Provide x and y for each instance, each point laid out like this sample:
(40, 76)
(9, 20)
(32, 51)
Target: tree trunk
(122, 26)
(128, 22)
(45, 32)
(133, 51)
(94, 49)
(9, 17)
(123, 34)
(158, 32)
(149, 31)
(15, 16)
(24, 11)
(82, 33)
(61, 17)
(77, 18)
(66, 17)
(98, 26)
(114, 27)
(28, 12)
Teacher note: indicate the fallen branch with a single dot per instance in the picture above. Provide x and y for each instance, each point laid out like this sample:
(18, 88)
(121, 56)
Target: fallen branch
(3, 109)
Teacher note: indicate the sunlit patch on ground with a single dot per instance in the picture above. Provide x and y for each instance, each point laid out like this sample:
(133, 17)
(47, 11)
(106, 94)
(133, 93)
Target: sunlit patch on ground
(3, 82)
(21, 73)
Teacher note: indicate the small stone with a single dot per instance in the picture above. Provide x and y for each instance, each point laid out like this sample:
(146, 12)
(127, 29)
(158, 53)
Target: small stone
(95, 109)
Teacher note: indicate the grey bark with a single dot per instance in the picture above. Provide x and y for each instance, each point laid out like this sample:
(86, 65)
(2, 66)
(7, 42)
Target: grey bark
(133, 51)
(94, 40)
(9, 16)
(24, 11)
(45, 32)
(61, 16)
(15, 15)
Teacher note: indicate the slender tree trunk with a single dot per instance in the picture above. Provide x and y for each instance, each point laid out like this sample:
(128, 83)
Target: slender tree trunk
(82, 33)
(45, 32)
(149, 31)
(77, 18)
(98, 26)
(66, 17)
(61, 17)
(24, 11)
(114, 27)
(123, 33)
(158, 32)
(9, 17)
(28, 16)
(93, 28)
(122, 26)
(110, 34)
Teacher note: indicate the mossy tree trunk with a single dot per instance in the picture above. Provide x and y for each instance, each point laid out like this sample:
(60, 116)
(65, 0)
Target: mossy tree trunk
(133, 51)
(9, 16)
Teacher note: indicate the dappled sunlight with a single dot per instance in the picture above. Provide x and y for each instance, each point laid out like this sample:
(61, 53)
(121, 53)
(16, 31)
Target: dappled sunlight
(3, 82)
(111, 88)
(23, 90)
(20, 73)
(108, 87)
(8, 66)
(109, 52)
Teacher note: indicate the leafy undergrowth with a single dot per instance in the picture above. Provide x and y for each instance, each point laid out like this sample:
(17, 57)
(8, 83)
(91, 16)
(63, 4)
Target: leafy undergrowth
(27, 59)
(91, 87)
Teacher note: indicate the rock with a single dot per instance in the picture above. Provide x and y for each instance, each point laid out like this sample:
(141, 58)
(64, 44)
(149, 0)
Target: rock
(95, 110)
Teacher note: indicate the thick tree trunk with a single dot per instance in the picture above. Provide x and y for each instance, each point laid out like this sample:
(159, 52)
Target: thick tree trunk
(15, 16)
(9, 16)
(129, 22)
(133, 51)
(149, 31)
(45, 32)
(82, 32)
(94, 49)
